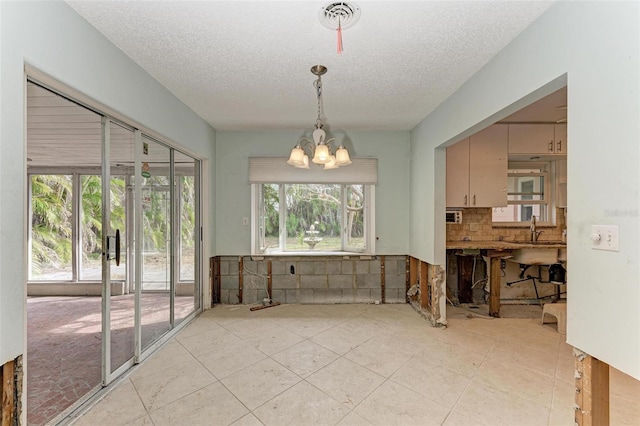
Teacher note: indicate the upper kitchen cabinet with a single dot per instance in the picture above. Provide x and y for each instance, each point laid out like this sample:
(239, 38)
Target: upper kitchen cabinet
(561, 138)
(537, 139)
(477, 169)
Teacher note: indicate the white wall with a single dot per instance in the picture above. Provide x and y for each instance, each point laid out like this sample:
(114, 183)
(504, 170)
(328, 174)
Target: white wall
(594, 47)
(53, 38)
(234, 192)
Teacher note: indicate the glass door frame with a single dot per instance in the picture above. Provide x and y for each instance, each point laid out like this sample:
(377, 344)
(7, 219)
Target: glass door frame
(134, 239)
(107, 374)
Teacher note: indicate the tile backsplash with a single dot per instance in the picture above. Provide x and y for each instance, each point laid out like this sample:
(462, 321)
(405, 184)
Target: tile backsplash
(477, 226)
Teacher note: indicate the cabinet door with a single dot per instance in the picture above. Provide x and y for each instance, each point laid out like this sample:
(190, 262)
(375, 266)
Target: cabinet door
(561, 183)
(561, 145)
(488, 167)
(458, 174)
(531, 139)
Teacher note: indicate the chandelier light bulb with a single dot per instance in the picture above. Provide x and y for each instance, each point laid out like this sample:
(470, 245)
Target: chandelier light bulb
(322, 154)
(331, 164)
(305, 161)
(342, 156)
(296, 158)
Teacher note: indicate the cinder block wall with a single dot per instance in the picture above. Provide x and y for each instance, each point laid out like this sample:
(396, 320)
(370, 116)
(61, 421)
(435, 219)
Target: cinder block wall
(317, 279)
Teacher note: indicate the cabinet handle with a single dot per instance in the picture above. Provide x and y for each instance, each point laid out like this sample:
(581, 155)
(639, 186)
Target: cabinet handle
(551, 146)
(465, 200)
(559, 146)
(474, 199)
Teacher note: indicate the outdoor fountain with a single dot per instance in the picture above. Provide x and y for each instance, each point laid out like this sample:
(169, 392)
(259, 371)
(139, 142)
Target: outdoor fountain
(313, 238)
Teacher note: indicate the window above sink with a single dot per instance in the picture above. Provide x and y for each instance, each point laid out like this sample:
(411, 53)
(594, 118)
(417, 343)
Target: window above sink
(529, 186)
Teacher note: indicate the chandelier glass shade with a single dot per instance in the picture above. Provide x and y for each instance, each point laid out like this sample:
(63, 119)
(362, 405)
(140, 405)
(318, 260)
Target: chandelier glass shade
(319, 149)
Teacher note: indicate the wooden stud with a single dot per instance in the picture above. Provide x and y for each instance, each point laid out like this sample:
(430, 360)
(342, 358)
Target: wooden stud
(465, 279)
(407, 273)
(592, 391)
(424, 285)
(269, 280)
(494, 287)
(240, 279)
(413, 270)
(218, 279)
(382, 281)
(8, 392)
(214, 279)
(434, 307)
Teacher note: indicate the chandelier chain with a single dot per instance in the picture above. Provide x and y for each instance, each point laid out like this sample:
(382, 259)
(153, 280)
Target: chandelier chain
(318, 85)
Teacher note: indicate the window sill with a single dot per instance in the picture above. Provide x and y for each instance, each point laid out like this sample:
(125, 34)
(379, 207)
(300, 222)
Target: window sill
(312, 253)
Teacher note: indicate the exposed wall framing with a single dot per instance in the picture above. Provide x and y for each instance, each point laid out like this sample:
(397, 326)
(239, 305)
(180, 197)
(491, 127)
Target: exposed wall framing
(431, 281)
(592, 390)
(310, 279)
(382, 280)
(11, 377)
(214, 279)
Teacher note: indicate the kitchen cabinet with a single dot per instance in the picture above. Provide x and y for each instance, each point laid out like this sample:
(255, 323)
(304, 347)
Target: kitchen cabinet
(538, 139)
(561, 183)
(477, 169)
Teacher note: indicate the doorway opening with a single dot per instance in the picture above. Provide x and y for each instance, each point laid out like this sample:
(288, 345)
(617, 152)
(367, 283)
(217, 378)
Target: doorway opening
(509, 183)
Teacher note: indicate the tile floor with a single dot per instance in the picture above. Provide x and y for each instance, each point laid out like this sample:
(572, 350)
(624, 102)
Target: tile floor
(355, 365)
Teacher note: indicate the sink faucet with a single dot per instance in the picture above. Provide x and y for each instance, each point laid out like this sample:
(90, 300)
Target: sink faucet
(534, 233)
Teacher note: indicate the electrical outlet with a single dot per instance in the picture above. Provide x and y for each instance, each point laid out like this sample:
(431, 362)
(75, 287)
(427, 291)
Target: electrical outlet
(605, 237)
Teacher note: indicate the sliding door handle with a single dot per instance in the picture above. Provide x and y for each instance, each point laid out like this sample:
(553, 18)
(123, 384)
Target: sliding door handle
(113, 253)
(117, 247)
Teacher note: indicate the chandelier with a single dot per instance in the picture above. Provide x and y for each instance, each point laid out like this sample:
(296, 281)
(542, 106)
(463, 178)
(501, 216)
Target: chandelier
(319, 148)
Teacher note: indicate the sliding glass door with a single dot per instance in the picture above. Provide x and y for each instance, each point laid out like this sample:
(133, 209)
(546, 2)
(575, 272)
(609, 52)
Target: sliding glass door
(114, 233)
(157, 218)
(151, 243)
(118, 307)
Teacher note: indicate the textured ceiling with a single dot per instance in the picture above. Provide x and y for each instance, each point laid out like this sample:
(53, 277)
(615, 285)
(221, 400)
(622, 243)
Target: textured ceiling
(245, 65)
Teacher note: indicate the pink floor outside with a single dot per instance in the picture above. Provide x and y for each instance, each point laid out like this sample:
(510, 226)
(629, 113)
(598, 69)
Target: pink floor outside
(64, 344)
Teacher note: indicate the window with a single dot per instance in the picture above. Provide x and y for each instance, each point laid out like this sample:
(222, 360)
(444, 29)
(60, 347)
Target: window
(527, 194)
(309, 217)
(51, 233)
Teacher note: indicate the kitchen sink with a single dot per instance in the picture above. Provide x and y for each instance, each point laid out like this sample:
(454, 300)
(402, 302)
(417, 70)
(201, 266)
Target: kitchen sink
(534, 256)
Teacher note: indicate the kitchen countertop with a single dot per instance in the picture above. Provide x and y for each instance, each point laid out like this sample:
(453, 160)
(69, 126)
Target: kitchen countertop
(503, 245)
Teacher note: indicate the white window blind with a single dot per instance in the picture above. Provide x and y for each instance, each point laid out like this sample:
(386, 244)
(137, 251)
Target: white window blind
(276, 170)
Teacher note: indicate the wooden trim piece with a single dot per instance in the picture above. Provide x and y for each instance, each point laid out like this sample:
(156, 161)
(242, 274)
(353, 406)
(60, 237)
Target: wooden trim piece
(382, 281)
(8, 393)
(424, 284)
(240, 279)
(592, 391)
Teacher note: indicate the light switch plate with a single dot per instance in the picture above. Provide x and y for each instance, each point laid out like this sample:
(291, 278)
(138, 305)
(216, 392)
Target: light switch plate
(605, 237)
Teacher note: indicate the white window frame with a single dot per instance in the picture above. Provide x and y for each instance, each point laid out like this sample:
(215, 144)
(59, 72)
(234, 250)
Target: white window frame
(368, 216)
(548, 198)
